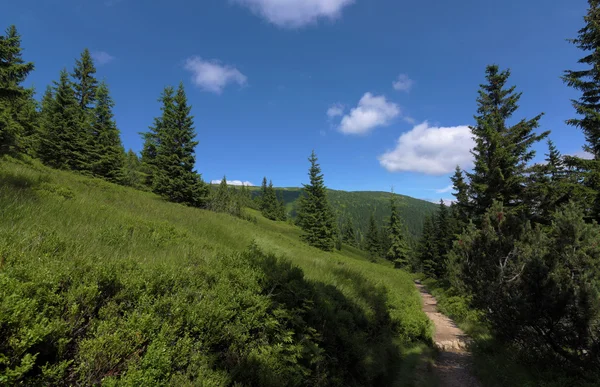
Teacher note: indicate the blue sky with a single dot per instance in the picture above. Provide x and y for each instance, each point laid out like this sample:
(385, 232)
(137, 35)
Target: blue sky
(382, 89)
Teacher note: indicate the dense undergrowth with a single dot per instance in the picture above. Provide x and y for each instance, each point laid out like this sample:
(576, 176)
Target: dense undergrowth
(497, 364)
(102, 284)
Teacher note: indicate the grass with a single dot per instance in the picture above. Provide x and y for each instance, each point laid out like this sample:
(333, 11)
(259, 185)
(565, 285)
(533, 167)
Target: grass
(495, 364)
(103, 284)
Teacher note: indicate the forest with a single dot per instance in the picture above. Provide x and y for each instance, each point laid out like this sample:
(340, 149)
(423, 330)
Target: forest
(118, 268)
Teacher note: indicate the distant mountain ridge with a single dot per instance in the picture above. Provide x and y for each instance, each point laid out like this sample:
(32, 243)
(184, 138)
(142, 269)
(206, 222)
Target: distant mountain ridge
(358, 206)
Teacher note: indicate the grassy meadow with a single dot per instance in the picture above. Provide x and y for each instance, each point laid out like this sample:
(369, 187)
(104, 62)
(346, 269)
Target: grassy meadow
(103, 284)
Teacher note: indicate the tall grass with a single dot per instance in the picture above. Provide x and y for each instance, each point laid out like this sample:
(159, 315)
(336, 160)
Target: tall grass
(102, 284)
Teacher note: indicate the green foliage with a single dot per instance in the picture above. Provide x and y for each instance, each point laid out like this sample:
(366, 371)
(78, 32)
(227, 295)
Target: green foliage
(270, 205)
(554, 274)
(133, 290)
(17, 107)
(169, 150)
(348, 233)
(315, 215)
(133, 172)
(501, 152)
(64, 143)
(107, 155)
(372, 240)
(398, 251)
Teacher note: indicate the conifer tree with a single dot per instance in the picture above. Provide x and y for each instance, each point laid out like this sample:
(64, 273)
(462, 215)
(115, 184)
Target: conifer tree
(315, 215)
(587, 107)
(443, 239)
(501, 152)
(263, 195)
(63, 145)
(175, 178)
(16, 102)
(222, 198)
(398, 252)
(281, 211)
(133, 175)
(107, 157)
(461, 193)
(427, 248)
(84, 82)
(372, 239)
(349, 235)
(152, 138)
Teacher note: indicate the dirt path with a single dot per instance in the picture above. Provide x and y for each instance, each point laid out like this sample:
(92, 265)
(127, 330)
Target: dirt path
(452, 366)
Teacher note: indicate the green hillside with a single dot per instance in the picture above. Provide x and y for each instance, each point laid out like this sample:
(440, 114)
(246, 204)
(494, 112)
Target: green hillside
(359, 206)
(103, 284)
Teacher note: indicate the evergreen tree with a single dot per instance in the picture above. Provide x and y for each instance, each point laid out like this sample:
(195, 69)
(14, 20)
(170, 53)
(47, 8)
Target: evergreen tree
(443, 240)
(349, 235)
(263, 195)
(501, 152)
(587, 107)
(16, 102)
(270, 204)
(221, 198)
(427, 248)
(174, 175)
(63, 145)
(156, 131)
(461, 193)
(315, 215)
(398, 252)
(108, 157)
(84, 82)
(372, 239)
(281, 211)
(133, 175)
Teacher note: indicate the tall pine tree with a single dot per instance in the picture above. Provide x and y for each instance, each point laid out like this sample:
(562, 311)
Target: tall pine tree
(587, 107)
(398, 252)
(372, 241)
(501, 152)
(315, 215)
(17, 107)
(174, 176)
(62, 145)
(108, 157)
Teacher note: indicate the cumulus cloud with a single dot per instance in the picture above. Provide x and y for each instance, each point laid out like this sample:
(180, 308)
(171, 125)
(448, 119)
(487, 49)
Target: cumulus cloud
(234, 182)
(372, 111)
(335, 110)
(212, 75)
(295, 13)
(102, 57)
(430, 150)
(403, 83)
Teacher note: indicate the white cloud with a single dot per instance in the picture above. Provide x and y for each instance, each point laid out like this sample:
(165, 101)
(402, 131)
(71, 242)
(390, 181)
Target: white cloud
(584, 155)
(446, 201)
(211, 75)
(234, 182)
(371, 112)
(335, 110)
(444, 190)
(296, 13)
(102, 57)
(403, 83)
(430, 150)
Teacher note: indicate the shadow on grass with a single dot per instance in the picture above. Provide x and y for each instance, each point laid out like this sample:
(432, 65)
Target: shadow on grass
(358, 348)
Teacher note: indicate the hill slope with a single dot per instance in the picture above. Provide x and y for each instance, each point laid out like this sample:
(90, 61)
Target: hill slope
(359, 205)
(104, 284)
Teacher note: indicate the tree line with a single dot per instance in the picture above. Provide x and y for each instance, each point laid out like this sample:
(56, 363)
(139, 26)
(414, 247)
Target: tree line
(522, 241)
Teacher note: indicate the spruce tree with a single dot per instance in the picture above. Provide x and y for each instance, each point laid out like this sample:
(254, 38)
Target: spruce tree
(84, 82)
(315, 216)
(427, 248)
(349, 234)
(263, 195)
(281, 211)
(443, 239)
(63, 145)
(152, 138)
(174, 177)
(16, 102)
(461, 193)
(398, 252)
(133, 175)
(107, 157)
(372, 240)
(501, 152)
(587, 107)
